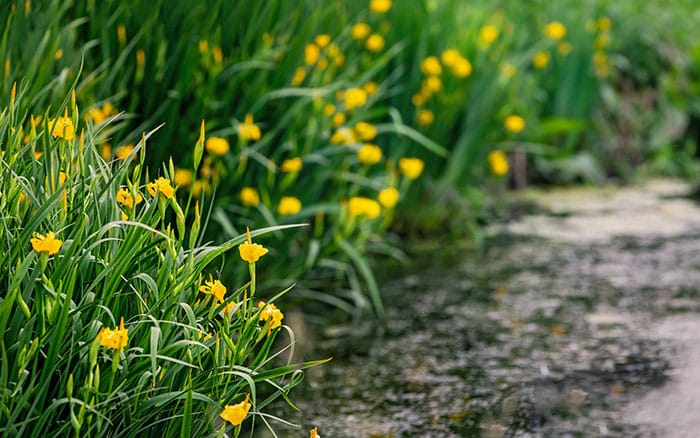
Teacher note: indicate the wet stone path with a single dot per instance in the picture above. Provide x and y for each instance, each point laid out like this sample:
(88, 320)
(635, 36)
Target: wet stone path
(580, 320)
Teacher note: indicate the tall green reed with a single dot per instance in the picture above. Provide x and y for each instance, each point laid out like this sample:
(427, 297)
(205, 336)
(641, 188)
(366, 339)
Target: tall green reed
(112, 321)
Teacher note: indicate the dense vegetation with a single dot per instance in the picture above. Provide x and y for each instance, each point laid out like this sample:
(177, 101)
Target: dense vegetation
(141, 139)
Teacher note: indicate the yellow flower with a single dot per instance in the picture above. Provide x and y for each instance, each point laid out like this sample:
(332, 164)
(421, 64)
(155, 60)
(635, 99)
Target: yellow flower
(600, 58)
(313, 433)
(311, 54)
(34, 121)
(418, 99)
(354, 97)
(388, 197)
(183, 177)
(564, 48)
(450, 56)
(63, 128)
(322, 63)
(206, 171)
(602, 41)
(425, 117)
(379, 6)
(369, 154)
(249, 197)
(140, 58)
(48, 243)
(96, 115)
(200, 186)
(370, 88)
(328, 109)
(555, 30)
(123, 152)
(121, 34)
(299, 76)
(108, 109)
(600, 61)
(411, 167)
(462, 68)
(251, 252)
(203, 46)
(99, 115)
(508, 70)
(124, 198)
(430, 66)
(217, 146)
(488, 34)
(272, 313)
(334, 51)
(604, 24)
(291, 165)
(218, 55)
(289, 205)
(162, 186)
(235, 414)
(366, 131)
(514, 123)
(343, 136)
(229, 307)
(322, 40)
(248, 130)
(207, 336)
(106, 152)
(375, 42)
(498, 163)
(338, 119)
(214, 288)
(540, 60)
(359, 206)
(601, 71)
(116, 338)
(360, 30)
(433, 84)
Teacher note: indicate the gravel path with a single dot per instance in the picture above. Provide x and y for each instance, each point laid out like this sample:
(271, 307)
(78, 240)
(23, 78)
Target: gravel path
(580, 320)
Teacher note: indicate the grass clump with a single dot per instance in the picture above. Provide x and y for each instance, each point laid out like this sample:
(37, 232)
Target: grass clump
(114, 320)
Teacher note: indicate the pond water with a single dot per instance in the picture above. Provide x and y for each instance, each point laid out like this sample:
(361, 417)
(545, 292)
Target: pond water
(580, 320)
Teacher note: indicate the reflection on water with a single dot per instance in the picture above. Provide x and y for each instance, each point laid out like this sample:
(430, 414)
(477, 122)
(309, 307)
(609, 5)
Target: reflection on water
(530, 337)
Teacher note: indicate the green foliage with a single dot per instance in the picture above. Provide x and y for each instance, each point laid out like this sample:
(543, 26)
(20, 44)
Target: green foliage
(119, 255)
(238, 68)
(286, 67)
(270, 114)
